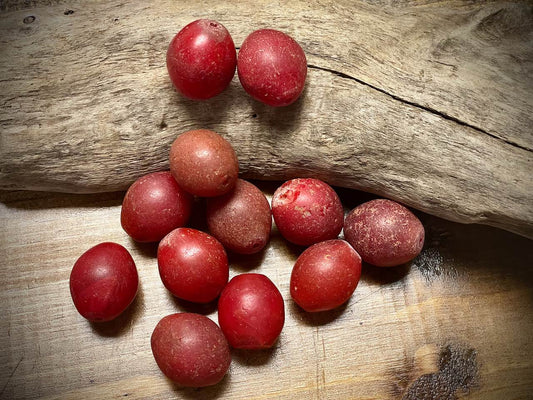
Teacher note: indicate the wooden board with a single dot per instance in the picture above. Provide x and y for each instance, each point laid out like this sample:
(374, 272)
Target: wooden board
(456, 322)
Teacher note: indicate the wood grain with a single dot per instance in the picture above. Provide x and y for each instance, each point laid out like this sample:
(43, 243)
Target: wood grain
(429, 103)
(456, 322)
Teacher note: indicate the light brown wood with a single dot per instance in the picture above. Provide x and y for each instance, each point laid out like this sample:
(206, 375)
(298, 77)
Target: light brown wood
(429, 104)
(457, 321)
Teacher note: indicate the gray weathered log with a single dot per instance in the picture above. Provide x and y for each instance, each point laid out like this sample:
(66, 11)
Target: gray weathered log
(430, 105)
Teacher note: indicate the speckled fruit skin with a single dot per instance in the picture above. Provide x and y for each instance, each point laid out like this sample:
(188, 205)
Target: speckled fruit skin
(190, 349)
(192, 265)
(325, 275)
(153, 206)
(241, 219)
(384, 233)
(103, 282)
(307, 211)
(201, 59)
(251, 312)
(204, 163)
(272, 67)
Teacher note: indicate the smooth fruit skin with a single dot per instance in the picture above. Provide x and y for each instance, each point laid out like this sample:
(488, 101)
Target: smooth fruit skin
(204, 163)
(103, 282)
(325, 275)
(193, 265)
(201, 59)
(272, 67)
(251, 312)
(384, 232)
(190, 349)
(307, 211)
(153, 206)
(241, 219)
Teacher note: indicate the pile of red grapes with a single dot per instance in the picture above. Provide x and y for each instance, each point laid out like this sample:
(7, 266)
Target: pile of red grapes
(190, 348)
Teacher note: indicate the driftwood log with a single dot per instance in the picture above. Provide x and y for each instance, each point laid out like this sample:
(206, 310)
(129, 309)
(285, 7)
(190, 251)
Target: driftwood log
(429, 104)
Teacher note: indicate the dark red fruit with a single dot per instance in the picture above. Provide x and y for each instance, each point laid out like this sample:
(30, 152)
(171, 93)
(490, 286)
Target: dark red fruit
(103, 282)
(272, 67)
(201, 59)
(240, 219)
(307, 211)
(251, 312)
(153, 206)
(193, 265)
(325, 275)
(190, 349)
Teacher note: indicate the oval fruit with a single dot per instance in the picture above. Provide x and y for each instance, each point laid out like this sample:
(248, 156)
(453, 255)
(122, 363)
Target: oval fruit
(251, 312)
(190, 349)
(241, 220)
(384, 232)
(325, 275)
(193, 265)
(103, 282)
(201, 59)
(153, 206)
(204, 163)
(307, 211)
(272, 67)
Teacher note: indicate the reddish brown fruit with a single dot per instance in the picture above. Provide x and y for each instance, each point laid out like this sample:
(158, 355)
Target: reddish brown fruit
(190, 349)
(204, 163)
(384, 232)
(241, 219)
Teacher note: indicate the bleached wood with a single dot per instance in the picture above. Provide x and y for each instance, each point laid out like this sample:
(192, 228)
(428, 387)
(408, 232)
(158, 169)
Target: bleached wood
(427, 104)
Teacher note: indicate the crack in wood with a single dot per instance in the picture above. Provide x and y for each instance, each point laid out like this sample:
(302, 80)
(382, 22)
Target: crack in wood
(11, 376)
(417, 105)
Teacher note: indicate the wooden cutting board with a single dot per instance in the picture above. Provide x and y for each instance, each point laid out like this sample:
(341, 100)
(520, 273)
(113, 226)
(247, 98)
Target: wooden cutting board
(432, 99)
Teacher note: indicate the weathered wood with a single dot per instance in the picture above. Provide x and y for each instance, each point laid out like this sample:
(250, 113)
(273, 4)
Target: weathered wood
(455, 324)
(428, 104)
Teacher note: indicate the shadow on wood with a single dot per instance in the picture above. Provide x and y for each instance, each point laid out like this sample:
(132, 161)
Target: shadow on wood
(203, 393)
(190, 307)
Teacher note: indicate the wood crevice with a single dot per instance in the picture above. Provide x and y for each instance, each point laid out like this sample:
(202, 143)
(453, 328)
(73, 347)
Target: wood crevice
(419, 106)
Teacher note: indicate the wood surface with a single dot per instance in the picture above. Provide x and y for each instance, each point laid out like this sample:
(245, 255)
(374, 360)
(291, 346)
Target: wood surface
(456, 323)
(428, 103)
